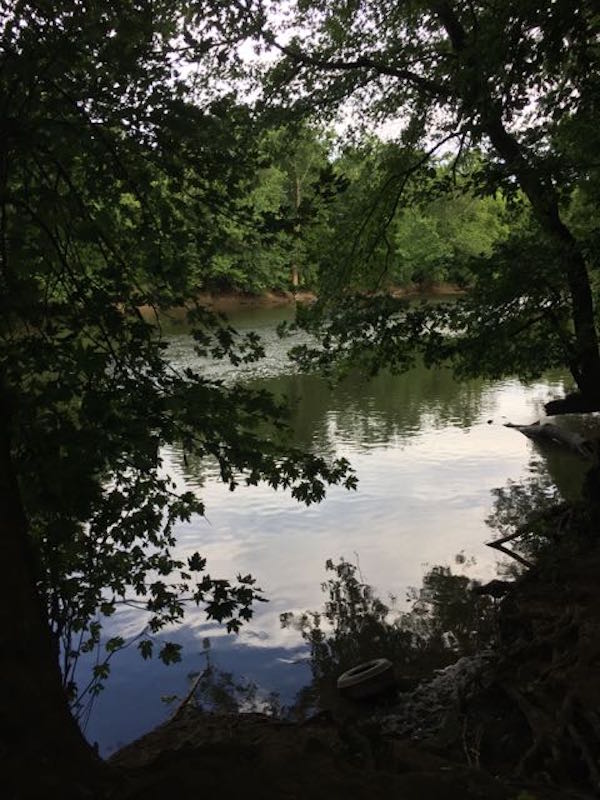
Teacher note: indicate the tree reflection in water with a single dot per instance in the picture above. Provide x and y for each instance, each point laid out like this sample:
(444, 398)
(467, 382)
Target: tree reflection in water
(445, 621)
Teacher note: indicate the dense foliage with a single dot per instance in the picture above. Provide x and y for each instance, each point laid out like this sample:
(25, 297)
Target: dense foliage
(118, 191)
(515, 82)
(304, 218)
(132, 175)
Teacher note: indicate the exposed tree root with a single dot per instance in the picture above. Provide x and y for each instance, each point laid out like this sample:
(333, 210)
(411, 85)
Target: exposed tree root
(549, 669)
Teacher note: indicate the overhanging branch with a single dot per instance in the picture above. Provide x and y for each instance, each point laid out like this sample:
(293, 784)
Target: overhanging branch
(368, 63)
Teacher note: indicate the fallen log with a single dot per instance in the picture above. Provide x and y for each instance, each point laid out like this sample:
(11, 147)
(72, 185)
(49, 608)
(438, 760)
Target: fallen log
(552, 433)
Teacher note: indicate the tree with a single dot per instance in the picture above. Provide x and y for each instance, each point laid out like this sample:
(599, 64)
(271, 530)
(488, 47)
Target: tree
(110, 178)
(438, 240)
(429, 237)
(509, 78)
(301, 157)
(270, 240)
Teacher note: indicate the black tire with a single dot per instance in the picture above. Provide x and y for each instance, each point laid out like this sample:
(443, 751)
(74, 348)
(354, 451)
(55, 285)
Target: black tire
(367, 679)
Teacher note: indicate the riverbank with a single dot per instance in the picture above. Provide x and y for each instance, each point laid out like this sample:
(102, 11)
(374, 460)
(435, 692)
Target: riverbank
(230, 301)
(518, 721)
(261, 758)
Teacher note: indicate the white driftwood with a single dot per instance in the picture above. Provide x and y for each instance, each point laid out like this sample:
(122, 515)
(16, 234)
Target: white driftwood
(548, 432)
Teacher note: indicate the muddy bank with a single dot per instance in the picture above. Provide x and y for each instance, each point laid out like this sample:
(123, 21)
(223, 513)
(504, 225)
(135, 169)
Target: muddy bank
(428, 290)
(227, 301)
(530, 707)
(232, 301)
(259, 757)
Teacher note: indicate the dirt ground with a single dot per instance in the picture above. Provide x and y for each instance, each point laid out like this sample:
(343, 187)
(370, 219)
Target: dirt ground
(254, 756)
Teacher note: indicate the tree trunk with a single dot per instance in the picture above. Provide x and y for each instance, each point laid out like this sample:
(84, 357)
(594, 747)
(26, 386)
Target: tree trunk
(297, 232)
(42, 750)
(584, 358)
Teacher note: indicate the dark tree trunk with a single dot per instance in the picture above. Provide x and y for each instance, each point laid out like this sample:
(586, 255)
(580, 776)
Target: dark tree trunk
(584, 360)
(42, 750)
(584, 356)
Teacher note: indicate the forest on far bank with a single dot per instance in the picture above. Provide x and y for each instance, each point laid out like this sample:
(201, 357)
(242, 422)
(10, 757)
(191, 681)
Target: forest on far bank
(315, 205)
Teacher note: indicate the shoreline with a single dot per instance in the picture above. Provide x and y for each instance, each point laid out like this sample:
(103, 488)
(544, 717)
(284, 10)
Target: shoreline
(491, 725)
(234, 300)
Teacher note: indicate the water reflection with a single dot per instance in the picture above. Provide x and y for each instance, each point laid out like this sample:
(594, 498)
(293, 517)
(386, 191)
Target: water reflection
(134, 699)
(384, 412)
(426, 460)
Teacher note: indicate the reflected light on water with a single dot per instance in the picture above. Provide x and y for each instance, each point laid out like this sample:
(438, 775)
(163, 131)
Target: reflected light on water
(426, 458)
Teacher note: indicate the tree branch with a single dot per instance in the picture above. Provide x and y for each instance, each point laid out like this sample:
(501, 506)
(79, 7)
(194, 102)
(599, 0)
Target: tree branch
(368, 63)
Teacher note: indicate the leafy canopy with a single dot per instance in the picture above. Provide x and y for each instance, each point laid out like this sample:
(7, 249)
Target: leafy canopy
(114, 184)
(514, 81)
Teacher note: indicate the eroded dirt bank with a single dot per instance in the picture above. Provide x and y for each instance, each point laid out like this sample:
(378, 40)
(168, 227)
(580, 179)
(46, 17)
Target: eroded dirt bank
(231, 301)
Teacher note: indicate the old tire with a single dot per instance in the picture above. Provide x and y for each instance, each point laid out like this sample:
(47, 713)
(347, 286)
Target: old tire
(367, 679)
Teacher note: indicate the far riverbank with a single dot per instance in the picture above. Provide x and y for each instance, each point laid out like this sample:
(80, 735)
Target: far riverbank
(229, 301)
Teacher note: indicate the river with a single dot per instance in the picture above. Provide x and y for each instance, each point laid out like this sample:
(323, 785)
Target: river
(428, 451)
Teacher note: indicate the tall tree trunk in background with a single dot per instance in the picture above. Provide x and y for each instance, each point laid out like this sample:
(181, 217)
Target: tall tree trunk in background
(42, 751)
(297, 230)
(584, 359)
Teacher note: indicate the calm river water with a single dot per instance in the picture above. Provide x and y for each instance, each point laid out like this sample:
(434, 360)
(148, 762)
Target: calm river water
(427, 457)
